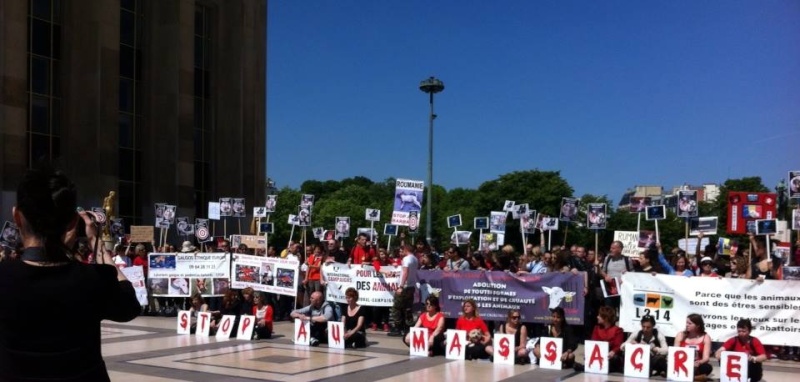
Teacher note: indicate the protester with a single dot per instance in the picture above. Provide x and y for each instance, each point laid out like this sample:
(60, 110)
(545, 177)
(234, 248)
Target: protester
(263, 313)
(363, 252)
(433, 320)
(198, 304)
(354, 321)
(695, 337)
(513, 325)
(607, 330)
(313, 279)
(454, 261)
(745, 343)
(706, 268)
(649, 335)
(404, 295)
(558, 328)
(317, 314)
(380, 314)
(52, 305)
(478, 333)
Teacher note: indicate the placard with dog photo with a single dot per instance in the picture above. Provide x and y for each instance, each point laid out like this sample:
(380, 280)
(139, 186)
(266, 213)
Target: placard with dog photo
(569, 209)
(508, 206)
(259, 212)
(372, 215)
(639, 203)
(796, 219)
(497, 221)
(342, 227)
(303, 216)
(658, 212)
(239, 209)
(463, 237)
(271, 203)
(596, 216)
(528, 222)
(10, 237)
(687, 203)
(307, 200)
(794, 184)
(225, 207)
(519, 210)
(549, 223)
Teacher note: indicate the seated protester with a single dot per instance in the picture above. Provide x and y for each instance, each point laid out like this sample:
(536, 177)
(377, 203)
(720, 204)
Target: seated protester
(649, 335)
(558, 328)
(355, 334)
(231, 306)
(695, 337)
(607, 330)
(744, 343)
(318, 313)
(707, 268)
(513, 325)
(264, 315)
(247, 303)
(198, 305)
(470, 320)
(433, 320)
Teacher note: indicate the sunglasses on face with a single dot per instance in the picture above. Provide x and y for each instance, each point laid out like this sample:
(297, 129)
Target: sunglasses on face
(515, 317)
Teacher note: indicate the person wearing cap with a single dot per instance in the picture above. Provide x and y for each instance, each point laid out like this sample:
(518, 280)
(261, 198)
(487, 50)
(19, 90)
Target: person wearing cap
(187, 247)
(707, 268)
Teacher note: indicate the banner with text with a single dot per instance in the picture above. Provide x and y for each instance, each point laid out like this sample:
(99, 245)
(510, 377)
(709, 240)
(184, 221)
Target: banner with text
(375, 286)
(774, 311)
(184, 274)
(498, 292)
(266, 274)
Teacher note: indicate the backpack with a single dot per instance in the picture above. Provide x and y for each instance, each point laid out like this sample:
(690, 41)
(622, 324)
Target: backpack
(337, 311)
(628, 265)
(655, 337)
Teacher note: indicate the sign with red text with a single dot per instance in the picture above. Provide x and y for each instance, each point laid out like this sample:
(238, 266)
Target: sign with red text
(246, 325)
(504, 351)
(596, 355)
(335, 335)
(203, 326)
(455, 345)
(551, 350)
(266, 274)
(302, 332)
(225, 327)
(733, 366)
(637, 360)
(183, 321)
(419, 342)
(375, 288)
(680, 364)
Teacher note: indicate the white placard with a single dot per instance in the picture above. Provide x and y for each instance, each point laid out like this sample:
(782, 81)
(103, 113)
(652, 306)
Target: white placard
(419, 342)
(680, 364)
(372, 215)
(225, 327)
(504, 352)
(203, 326)
(183, 322)
(551, 350)
(630, 242)
(246, 325)
(733, 366)
(455, 345)
(213, 210)
(335, 335)
(302, 332)
(596, 355)
(637, 360)
(135, 275)
(259, 212)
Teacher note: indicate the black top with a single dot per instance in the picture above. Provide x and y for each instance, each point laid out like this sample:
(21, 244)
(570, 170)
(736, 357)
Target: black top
(351, 322)
(50, 319)
(570, 342)
(516, 334)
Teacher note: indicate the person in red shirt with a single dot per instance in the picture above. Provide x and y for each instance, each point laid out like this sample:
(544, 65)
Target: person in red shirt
(361, 253)
(695, 336)
(313, 278)
(264, 316)
(607, 330)
(470, 320)
(745, 343)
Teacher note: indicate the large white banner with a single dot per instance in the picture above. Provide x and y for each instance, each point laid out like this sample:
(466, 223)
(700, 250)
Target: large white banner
(375, 288)
(407, 198)
(772, 305)
(266, 274)
(184, 274)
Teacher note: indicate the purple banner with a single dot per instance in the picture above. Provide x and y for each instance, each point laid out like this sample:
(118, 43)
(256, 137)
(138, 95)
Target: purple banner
(498, 292)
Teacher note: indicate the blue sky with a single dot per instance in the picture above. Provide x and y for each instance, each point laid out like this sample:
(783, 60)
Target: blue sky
(610, 93)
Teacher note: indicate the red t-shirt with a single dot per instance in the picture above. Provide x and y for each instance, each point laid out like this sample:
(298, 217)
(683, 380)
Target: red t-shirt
(734, 344)
(613, 335)
(359, 255)
(431, 323)
(140, 260)
(468, 325)
(314, 263)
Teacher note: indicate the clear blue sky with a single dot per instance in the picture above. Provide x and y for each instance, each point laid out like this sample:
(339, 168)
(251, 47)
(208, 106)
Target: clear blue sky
(611, 93)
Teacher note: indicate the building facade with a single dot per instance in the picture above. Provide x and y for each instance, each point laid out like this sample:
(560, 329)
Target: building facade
(160, 101)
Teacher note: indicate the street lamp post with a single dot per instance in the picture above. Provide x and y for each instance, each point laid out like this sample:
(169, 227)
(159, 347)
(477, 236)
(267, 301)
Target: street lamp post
(431, 86)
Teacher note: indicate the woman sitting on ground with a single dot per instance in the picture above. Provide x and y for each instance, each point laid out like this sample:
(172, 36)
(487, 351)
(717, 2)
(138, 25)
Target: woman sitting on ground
(695, 337)
(513, 325)
(607, 330)
(264, 314)
(198, 305)
(745, 343)
(558, 328)
(479, 347)
(433, 320)
(355, 334)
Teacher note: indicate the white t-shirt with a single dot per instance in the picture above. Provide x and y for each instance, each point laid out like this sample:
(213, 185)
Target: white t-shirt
(411, 266)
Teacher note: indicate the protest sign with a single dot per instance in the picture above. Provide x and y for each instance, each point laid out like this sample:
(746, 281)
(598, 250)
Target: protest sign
(251, 241)
(181, 275)
(135, 275)
(630, 242)
(141, 234)
(596, 216)
(687, 203)
(407, 197)
(569, 209)
(375, 288)
(266, 274)
(691, 247)
(707, 225)
(497, 222)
